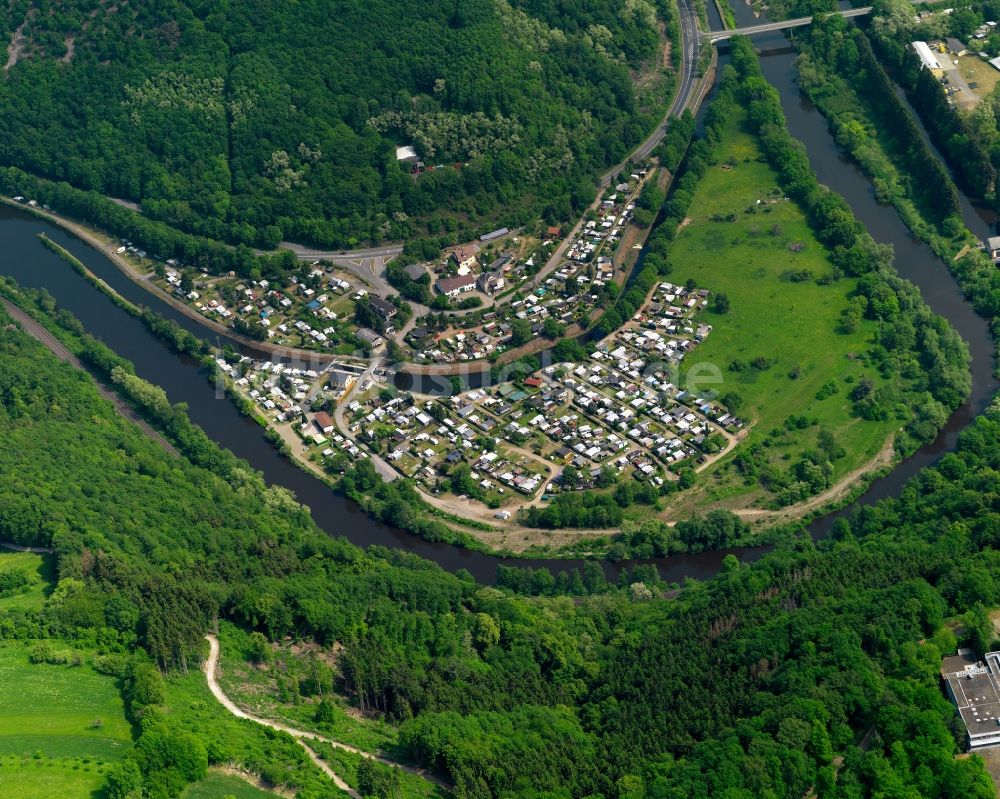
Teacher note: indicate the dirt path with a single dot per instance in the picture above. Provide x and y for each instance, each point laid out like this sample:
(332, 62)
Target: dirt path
(56, 347)
(885, 457)
(301, 736)
(16, 47)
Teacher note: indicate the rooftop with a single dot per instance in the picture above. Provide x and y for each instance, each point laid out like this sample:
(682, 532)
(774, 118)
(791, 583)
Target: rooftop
(974, 688)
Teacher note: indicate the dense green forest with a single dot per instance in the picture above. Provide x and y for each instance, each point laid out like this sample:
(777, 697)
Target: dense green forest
(255, 122)
(810, 672)
(758, 683)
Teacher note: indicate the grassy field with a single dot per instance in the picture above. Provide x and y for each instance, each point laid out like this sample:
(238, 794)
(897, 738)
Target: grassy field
(977, 71)
(50, 779)
(39, 571)
(743, 239)
(60, 711)
(218, 786)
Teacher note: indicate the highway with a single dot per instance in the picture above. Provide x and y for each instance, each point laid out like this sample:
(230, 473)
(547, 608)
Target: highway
(689, 63)
(770, 27)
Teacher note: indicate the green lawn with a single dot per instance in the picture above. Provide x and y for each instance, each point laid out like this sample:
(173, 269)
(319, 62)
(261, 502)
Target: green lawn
(50, 779)
(62, 711)
(750, 251)
(39, 571)
(218, 786)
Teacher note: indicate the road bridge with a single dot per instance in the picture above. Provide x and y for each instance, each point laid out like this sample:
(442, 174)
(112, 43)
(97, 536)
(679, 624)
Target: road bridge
(770, 27)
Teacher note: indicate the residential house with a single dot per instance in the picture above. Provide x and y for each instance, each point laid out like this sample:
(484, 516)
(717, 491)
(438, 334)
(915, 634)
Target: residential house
(993, 248)
(383, 308)
(957, 47)
(370, 337)
(491, 282)
(465, 257)
(453, 286)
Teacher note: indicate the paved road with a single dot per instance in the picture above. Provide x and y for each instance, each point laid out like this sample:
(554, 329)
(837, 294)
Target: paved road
(689, 64)
(369, 269)
(305, 253)
(770, 27)
(385, 470)
(19, 548)
(56, 347)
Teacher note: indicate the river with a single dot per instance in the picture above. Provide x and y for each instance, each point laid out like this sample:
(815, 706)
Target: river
(914, 260)
(184, 380)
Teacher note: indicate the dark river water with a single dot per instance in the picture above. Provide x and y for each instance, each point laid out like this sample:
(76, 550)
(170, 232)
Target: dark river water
(184, 380)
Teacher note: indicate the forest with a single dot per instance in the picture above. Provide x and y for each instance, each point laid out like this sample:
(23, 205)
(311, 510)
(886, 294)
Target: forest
(811, 672)
(760, 682)
(259, 122)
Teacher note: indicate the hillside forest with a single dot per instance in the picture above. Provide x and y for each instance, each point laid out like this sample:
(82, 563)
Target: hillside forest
(813, 671)
(256, 122)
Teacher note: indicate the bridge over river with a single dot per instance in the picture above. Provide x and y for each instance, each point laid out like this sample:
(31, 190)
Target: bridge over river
(769, 27)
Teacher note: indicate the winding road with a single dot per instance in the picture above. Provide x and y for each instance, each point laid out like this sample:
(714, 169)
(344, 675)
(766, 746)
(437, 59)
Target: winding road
(301, 736)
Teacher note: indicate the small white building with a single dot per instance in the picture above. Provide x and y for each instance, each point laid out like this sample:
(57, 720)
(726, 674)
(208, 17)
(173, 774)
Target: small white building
(927, 58)
(406, 153)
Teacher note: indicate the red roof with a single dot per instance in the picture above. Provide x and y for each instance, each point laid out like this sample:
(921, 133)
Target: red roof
(534, 382)
(323, 420)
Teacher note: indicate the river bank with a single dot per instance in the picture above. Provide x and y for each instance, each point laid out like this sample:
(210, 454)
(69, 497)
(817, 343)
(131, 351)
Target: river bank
(186, 380)
(106, 244)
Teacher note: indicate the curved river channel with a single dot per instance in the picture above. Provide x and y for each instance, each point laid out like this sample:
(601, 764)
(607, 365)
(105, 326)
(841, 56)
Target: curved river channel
(184, 380)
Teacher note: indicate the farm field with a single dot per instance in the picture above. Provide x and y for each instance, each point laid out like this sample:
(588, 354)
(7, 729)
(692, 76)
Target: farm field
(743, 239)
(60, 711)
(37, 569)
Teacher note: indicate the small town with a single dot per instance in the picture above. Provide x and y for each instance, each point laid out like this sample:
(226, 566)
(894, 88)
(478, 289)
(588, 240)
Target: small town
(570, 426)
(500, 399)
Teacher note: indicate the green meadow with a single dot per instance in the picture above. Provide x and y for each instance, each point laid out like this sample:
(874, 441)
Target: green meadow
(31, 778)
(59, 711)
(37, 569)
(742, 238)
(219, 786)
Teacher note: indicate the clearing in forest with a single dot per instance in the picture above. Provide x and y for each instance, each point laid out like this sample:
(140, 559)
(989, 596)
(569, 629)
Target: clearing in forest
(220, 786)
(24, 580)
